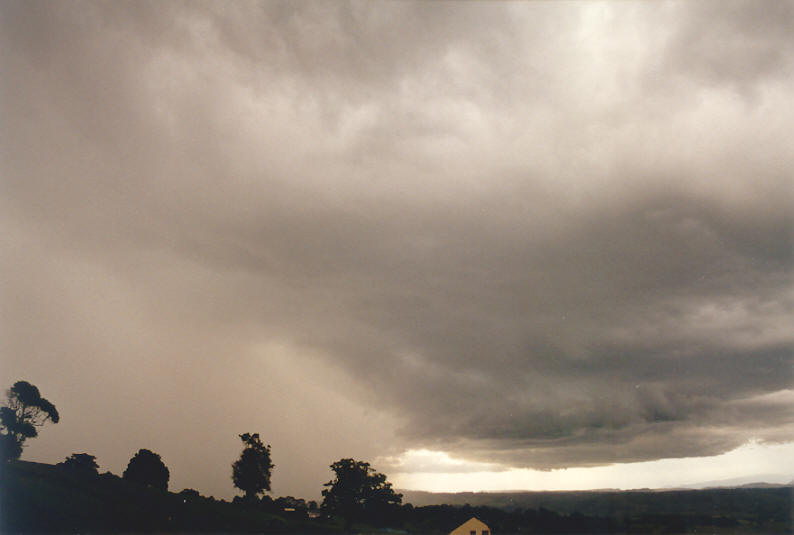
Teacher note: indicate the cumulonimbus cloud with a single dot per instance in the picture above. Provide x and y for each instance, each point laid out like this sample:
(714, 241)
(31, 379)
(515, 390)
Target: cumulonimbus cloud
(531, 247)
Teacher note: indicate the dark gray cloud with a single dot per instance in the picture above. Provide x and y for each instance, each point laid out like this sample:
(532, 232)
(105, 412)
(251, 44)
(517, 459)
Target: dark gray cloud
(531, 234)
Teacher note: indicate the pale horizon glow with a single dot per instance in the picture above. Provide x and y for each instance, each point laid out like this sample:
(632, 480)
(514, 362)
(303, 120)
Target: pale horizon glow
(749, 461)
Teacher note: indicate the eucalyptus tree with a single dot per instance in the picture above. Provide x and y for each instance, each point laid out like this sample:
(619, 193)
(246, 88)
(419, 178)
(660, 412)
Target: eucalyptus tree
(24, 412)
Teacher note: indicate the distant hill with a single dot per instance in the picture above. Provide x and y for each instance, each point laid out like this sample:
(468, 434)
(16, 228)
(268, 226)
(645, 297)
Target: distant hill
(561, 501)
(750, 509)
(758, 481)
(762, 486)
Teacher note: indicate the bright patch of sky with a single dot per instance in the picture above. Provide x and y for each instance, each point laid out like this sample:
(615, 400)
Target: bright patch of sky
(753, 462)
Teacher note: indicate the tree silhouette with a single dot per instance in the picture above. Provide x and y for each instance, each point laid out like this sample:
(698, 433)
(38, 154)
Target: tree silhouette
(9, 448)
(25, 410)
(358, 492)
(146, 468)
(251, 472)
(80, 464)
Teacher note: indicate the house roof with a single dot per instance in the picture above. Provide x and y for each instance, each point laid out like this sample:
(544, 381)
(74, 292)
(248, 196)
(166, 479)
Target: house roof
(472, 524)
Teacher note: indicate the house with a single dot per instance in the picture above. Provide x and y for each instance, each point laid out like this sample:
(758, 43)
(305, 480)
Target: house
(472, 526)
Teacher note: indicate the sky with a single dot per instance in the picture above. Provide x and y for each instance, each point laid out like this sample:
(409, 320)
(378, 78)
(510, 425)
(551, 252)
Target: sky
(480, 245)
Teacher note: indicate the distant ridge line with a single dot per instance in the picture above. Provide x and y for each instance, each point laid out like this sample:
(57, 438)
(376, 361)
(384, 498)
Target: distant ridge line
(563, 500)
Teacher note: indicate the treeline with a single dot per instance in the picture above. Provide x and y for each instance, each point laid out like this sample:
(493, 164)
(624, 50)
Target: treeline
(73, 497)
(42, 498)
(357, 493)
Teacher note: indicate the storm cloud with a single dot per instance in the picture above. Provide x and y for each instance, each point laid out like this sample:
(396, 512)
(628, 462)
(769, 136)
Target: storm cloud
(529, 234)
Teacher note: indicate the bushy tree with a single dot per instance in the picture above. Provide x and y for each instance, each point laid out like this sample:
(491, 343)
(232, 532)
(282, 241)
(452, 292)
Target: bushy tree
(251, 472)
(146, 468)
(358, 493)
(25, 410)
(80, 463)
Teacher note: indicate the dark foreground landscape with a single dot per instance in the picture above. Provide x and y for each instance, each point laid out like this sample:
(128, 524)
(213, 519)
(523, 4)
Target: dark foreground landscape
(42, 498)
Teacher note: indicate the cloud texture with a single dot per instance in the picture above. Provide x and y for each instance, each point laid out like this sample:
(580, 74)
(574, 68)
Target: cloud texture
(530, 234)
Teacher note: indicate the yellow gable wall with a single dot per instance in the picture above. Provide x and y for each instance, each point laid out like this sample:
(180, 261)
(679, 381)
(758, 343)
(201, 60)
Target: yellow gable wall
(471, 525)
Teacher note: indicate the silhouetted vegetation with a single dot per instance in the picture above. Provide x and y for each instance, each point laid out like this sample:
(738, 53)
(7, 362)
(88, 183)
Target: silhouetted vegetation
(80, 464)
(251, 472)
(45, 498)
(739, 510)
(25, 410)
(146, 468)
(41, 498)
(72, 497)
(442, 519)
(359, 493)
